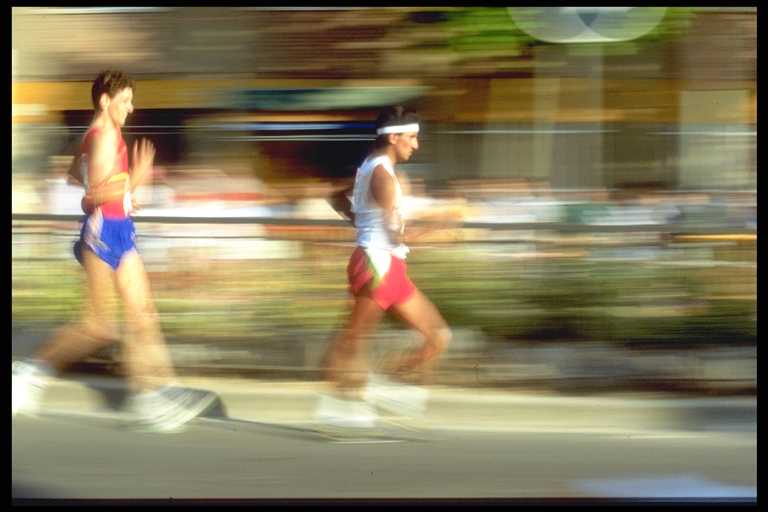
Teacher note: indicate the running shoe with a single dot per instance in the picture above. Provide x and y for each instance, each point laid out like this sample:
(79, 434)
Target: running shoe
(338, 412)
(170, 408)
(395, 397)
(28, 381)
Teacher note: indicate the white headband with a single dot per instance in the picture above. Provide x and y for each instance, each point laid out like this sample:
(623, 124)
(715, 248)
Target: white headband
(402, 128)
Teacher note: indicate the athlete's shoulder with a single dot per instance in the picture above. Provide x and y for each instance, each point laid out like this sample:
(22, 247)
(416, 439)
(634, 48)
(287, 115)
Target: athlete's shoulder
(382, 170)
(103, 137)
(382, 182)
(382, 161)
(102, 131)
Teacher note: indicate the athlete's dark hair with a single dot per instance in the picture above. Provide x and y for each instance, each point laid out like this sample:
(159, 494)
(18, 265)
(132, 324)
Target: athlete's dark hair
(393, 116)
(110, 82)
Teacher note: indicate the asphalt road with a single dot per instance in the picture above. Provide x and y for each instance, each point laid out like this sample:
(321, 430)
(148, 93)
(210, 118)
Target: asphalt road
(65, 455)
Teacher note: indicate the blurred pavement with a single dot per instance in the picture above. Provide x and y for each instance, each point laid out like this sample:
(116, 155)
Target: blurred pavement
(449, 408)
(547, 387)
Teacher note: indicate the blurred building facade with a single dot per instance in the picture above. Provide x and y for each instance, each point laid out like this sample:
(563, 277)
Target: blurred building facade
(609, 188)
(672, 109)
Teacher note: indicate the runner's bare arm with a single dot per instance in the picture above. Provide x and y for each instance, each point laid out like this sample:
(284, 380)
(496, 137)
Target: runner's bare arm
(73, 173)
(101, 166)
(438, 219)
(339, 201)
(143, 157)
(383, 191)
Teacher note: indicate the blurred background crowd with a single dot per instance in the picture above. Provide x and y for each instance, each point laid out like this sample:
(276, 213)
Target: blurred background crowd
(600, 164)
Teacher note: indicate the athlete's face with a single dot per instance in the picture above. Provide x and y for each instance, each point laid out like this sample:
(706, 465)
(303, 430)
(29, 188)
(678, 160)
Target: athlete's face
(405, 145)
(120, 105)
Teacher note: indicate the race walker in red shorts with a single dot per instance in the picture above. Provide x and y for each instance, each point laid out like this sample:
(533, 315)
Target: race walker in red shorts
(378, 281)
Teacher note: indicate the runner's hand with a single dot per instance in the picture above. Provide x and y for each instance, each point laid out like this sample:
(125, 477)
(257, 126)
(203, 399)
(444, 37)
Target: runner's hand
(143, 156)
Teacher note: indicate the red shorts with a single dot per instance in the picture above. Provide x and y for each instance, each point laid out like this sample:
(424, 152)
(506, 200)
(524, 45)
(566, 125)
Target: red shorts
(392, 288)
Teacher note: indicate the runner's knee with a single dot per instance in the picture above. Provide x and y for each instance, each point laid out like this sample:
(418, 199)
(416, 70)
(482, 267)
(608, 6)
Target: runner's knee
(349, 344)
(438, 342)
(142, 315)
(443, 337)
(100, 331)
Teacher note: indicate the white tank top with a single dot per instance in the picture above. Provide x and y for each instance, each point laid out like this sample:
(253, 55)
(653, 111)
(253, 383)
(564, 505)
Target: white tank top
(369, 216)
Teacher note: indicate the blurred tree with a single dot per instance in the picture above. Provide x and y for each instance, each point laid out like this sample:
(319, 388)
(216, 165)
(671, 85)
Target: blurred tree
(485, 31)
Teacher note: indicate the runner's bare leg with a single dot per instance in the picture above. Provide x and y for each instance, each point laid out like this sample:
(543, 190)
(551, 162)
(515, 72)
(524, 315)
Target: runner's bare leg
(422, 315)
(347, 364)
(97, 326)
(147, 359)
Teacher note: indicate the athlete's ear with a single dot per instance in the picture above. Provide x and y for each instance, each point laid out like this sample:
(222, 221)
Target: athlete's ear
(104, 101)
(392, 138)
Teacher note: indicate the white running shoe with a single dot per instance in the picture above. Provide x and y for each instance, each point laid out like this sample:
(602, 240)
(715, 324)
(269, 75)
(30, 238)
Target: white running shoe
(28, 381)
(337, 412)
(395, 397)
(168, 409)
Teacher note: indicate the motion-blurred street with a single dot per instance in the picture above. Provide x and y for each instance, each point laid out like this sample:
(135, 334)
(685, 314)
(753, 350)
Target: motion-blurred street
(581, 211)
(256, 446)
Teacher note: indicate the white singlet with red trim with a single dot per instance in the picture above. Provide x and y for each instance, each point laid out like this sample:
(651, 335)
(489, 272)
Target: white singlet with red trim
(369, 216)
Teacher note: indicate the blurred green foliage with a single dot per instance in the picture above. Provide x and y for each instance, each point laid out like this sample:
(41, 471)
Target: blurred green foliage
(506, 298)
(574, 299)
(676, 23)
(478, 30)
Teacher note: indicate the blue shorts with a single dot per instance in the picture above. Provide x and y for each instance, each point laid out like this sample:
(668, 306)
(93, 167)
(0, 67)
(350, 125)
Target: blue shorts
(109, 239)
